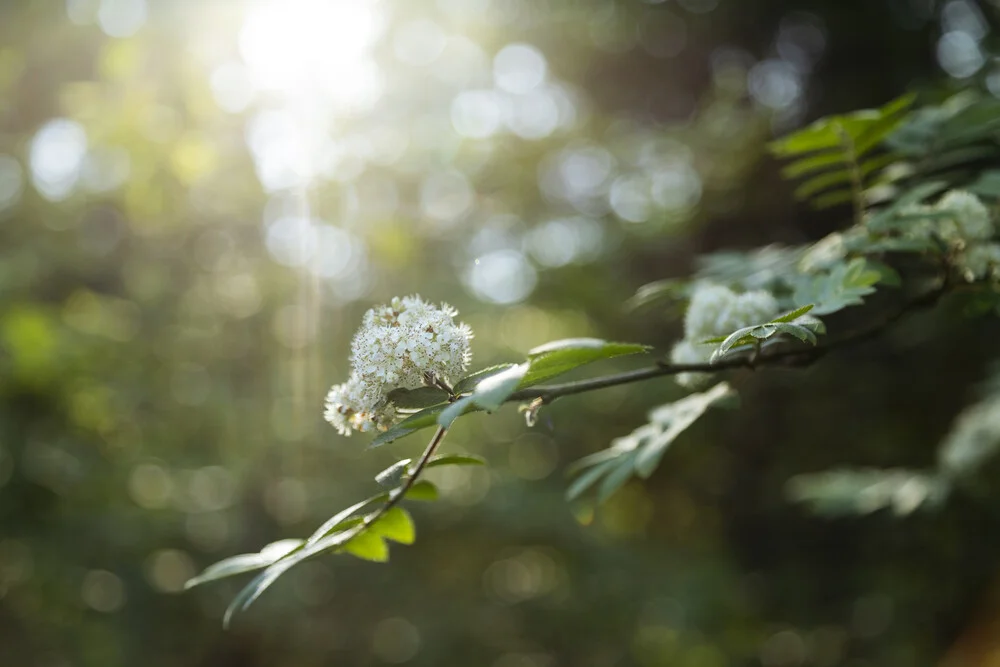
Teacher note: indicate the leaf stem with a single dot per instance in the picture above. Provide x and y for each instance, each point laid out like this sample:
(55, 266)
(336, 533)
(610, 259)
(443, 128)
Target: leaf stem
(854, 169)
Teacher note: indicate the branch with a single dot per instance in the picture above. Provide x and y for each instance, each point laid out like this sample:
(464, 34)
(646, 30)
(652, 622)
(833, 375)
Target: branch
(796, 357)
(411, 478)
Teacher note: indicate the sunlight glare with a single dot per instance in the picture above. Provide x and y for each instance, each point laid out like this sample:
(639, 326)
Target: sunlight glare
(315, 49)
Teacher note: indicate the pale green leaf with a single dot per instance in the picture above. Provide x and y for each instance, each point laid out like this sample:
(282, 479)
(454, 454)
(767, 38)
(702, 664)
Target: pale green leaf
(396, 525)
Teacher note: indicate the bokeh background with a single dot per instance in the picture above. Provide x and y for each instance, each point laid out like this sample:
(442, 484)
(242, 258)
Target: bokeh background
(198, 201)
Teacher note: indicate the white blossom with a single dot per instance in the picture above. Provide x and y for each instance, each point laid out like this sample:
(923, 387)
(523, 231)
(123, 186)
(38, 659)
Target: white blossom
(349, 408)
(979, 261)
(688, 352)
(709, 305)
(402, 343)
(718, 311)
(971, 218)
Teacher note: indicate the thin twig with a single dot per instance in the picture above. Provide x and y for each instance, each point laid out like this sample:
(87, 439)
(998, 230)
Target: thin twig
(411, 478)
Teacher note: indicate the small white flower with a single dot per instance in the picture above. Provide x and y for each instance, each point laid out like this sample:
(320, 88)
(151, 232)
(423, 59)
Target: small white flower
(979, 261)
(971, 218)
(399, 345)
(348, 408)
(718, 311)
(687, 352)
(709, 304)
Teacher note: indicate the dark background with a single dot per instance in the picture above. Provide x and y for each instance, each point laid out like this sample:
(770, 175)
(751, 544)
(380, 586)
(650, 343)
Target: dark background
(167, 337)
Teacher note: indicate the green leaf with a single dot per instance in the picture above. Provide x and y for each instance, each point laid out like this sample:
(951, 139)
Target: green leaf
(490, 394)
(639, 453)
(337, 521)
(417, 399)
(797, 331)
(422, 490)
(862, 491)
(393, 475)
(494, 390)
(843, 285)
(456, 410)
(675, 418)
(987, 185)
(244, 562)
(469, 382)
(562, 356)
(255, 588)
(831, 199)
(456, 460)
(590, 477)
(884, 220)
(794, 314)
(368, 545)
(412, 424)
(396, 525)
(616, 478)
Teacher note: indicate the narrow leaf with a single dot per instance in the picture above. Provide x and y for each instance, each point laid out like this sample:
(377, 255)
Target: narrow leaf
(795, 314)
(589, 478)
(469, 382)
(456, 460)
(562, 356)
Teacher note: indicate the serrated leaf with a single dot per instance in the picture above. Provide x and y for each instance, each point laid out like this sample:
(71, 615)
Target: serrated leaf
(884, 219)
(396, 525)
(367, 545)
(469, 382)
(739, 337)
(393, 475)
(794, 314)
(676, 418)
(417, 399)
(639, 452)
(561, 356)
(800, 332)
(763, 331)
(456, 460)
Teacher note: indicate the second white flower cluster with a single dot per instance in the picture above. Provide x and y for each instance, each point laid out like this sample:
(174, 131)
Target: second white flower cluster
(714, 311)
(405, 344)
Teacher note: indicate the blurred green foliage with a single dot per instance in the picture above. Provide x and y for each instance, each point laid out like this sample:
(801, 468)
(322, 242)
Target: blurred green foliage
(185, 250)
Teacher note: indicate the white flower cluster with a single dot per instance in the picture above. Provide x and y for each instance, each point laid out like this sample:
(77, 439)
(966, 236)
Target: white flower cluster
(401, 345)
(967, 229)
(715, 311)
